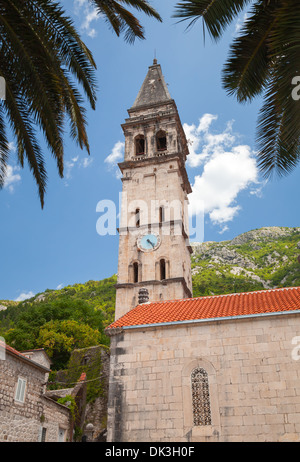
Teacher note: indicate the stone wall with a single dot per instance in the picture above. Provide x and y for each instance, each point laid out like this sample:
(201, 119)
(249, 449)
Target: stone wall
(22, 421)
(253, 377)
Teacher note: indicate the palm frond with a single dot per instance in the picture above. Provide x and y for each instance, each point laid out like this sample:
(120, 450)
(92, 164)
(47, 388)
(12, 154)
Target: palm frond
(248, 66)
(216, 14)
(122, 20)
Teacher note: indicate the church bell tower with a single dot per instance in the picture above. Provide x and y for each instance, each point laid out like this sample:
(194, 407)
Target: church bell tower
(154, 249)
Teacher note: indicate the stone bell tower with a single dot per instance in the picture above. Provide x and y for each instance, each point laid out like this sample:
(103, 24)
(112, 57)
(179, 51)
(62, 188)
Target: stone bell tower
(154, 250)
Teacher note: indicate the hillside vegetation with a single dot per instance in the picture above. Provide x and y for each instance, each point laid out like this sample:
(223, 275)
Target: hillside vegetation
(76, 316)
(61, 320)
(260, 259)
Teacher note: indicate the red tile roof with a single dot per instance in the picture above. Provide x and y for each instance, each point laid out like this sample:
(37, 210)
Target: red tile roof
(22, 356)
(218, 306)
(11, 349)
(82, 377)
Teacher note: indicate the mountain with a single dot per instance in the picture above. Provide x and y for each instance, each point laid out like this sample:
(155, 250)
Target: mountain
(259, 259)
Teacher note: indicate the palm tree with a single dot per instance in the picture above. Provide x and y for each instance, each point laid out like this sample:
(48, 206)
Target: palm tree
(42, 58)
(264, 59)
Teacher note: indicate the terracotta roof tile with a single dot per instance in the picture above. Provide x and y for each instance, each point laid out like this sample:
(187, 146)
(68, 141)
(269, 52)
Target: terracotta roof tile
(82, 377)
(218, 306)
(22, 356)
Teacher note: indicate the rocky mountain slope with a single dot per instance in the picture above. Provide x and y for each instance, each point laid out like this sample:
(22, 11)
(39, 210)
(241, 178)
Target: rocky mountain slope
(259, 259)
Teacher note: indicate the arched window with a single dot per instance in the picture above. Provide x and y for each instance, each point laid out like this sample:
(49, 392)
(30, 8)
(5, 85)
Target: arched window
(200, 397)
(135, 272)
(162, 267)
(161, 140)
(139, 145)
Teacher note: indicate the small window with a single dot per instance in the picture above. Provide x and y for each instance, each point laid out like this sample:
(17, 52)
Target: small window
(162, 265)
(139, 145)
(161, 214)
(20, 391)
(137, 218)
(200, 397)
(135, 272)
(161, 141)
(85, 360)
(42, 435)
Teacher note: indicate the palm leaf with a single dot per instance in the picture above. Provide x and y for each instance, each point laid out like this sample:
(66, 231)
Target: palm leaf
(216, 14)
(122, 20)
(248, 66)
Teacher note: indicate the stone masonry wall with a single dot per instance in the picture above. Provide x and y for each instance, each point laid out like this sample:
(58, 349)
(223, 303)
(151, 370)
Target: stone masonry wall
(253, 377)
(21, 422)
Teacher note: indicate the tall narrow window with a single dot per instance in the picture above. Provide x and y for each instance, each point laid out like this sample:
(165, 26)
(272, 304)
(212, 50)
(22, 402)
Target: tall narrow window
(42, 435)
(20, 391)
(161, 214)
(139, 145)
(135, 272)
(44, 432)
(200, 397)
(161, 140)
(162, 265)
(137, 218)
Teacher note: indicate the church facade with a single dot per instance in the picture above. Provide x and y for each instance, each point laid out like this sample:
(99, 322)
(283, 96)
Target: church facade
(183, 369)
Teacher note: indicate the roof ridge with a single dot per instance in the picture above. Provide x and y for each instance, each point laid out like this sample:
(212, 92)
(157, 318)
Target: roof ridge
(275, 289)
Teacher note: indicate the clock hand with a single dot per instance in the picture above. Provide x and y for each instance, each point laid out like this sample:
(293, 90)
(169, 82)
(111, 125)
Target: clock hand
(148, 240)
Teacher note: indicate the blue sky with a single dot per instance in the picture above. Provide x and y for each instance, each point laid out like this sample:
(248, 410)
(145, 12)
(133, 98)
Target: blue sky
(59, 245)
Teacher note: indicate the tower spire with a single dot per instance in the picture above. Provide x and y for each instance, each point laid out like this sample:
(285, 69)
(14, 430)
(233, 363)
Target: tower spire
(154, 89)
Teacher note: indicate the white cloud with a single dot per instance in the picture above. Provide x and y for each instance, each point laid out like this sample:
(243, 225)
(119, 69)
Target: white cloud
(86, 162)
(12, 177)
(69, 165)
(60, 286)
(115, 156)
(199, 137)
(24, 296)
(227, 169)
(76, 162)
(224, 228)
(88, 13)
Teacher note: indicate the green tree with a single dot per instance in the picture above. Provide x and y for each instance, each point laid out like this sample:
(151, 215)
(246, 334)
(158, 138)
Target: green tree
(59, 338)
(42, 58)
(263, 59)
(26, 324)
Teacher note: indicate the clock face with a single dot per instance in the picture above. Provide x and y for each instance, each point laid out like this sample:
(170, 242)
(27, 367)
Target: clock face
(148, 242)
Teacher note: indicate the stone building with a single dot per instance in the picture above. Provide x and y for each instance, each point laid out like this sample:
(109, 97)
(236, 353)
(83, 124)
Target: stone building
(219, 368)
(26, 413)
